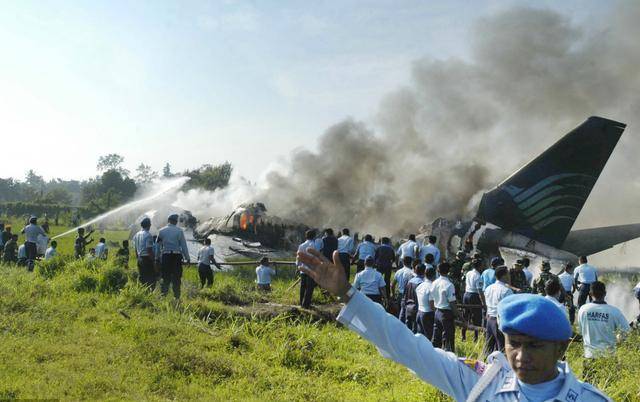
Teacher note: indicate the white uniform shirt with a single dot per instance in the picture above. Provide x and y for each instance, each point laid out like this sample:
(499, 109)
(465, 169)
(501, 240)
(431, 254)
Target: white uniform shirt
(205, 254)
(442, 293)
(598, 324)
(430, 249)
(141, 242)
(345, 244)
(529, 275)
(50, 253)
(264, 274)
(423, 291)
(303, 248)
(408, 249)
(585, 273)
(369, 281)
(493, 294)
(402, 277)
(473, 282)
(101, 250)
(454, 376)
(22, 251)
(31, 233)
(566, 280)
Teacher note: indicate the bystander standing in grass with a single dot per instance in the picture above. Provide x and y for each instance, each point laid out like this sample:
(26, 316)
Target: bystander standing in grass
(81, 243)
(206, 257)
(102, 252)
(143, 247)
(11, 249)
(22, 255)
(264, 272)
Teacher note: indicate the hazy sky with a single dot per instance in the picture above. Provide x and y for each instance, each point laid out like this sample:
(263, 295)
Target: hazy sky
(193, 82)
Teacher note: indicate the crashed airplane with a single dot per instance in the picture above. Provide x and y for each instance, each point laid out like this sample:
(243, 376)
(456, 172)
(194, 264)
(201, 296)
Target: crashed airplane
(251, 232)
(533, 210)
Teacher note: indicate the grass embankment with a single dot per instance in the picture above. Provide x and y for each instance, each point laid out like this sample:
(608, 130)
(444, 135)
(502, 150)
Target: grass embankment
(86, 330)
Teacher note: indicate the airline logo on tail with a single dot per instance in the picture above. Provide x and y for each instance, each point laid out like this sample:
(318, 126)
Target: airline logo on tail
(544, 203)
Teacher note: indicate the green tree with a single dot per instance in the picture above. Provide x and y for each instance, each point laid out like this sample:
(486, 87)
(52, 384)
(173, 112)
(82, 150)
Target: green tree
(144, 174)
(58, 196)
(166, 170)
(107, 191)
(209, 177)
(112, 162)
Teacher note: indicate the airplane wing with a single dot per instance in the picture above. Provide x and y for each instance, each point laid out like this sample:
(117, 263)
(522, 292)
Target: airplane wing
(543, 199)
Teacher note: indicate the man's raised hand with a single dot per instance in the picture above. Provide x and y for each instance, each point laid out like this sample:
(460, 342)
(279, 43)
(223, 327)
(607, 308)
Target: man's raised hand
(328, 275)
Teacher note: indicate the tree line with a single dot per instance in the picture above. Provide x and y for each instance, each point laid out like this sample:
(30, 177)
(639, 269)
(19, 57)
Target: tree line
(113, 186)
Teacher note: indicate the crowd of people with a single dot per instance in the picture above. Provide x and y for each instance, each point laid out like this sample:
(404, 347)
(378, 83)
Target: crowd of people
(431, 296)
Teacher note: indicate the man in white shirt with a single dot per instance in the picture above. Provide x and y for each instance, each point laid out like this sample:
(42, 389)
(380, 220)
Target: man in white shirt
(425, 311)
(400, 280)
(51, 251)
(22, 255)
(345, 249)
(567, 282)
(101, 249)
(264, 272)
(473, 295)
(411, 297)
(584, 276)
(443, 295)
(173, 246)
(143, 244)
(206, 257)
(370, 282)
(493, 295)
(408, 249)
(307, 285)
(430, 248)
(599, 324)
(364, 250)
(527, 272)
(31, 233)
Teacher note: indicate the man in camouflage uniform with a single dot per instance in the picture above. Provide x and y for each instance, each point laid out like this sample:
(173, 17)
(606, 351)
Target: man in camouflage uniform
(455, 274)
(519, 279)
(545, 275)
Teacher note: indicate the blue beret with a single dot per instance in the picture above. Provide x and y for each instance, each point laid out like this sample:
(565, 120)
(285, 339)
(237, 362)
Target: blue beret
(533, 315)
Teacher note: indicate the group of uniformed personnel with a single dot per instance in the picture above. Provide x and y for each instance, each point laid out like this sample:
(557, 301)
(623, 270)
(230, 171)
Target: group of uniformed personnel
(533, 330)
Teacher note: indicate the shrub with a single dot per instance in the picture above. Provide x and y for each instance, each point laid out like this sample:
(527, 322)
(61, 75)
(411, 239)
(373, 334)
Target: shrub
(50, 268)
(112, 279)
(85, 282)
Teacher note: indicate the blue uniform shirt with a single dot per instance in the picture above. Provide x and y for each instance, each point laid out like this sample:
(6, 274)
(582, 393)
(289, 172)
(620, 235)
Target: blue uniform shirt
(142, 241)
(366, 249)
(172, 241)
(488, 278)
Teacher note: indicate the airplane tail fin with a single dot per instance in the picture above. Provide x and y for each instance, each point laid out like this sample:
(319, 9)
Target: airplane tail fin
(591, 241)
(543, 199)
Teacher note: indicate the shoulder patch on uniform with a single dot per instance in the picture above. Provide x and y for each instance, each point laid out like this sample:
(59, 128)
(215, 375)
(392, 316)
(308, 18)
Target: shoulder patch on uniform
(590, 388)
(475, 365)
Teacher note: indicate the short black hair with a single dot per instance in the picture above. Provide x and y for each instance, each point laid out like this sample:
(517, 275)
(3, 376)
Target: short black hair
(430, 273)
(598, 289)
(54, 243)
(429, 258)
(420, 268)
(551, 287)
(406, 261)
(583, 259)
(329, 231)
(264, 260)
(345, 231)
(432, 239)
(310, 234)
(526, 262)
(385, 240)
(444, 268)
(102, 240)
(368, 237)
(207, 241)
(412, 237)
(501, 271)
(125, 243)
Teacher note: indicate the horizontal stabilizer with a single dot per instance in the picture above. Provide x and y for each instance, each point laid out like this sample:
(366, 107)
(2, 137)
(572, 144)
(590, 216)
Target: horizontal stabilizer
(591, 241)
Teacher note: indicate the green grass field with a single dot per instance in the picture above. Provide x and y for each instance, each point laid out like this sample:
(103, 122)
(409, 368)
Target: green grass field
(85, 330)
